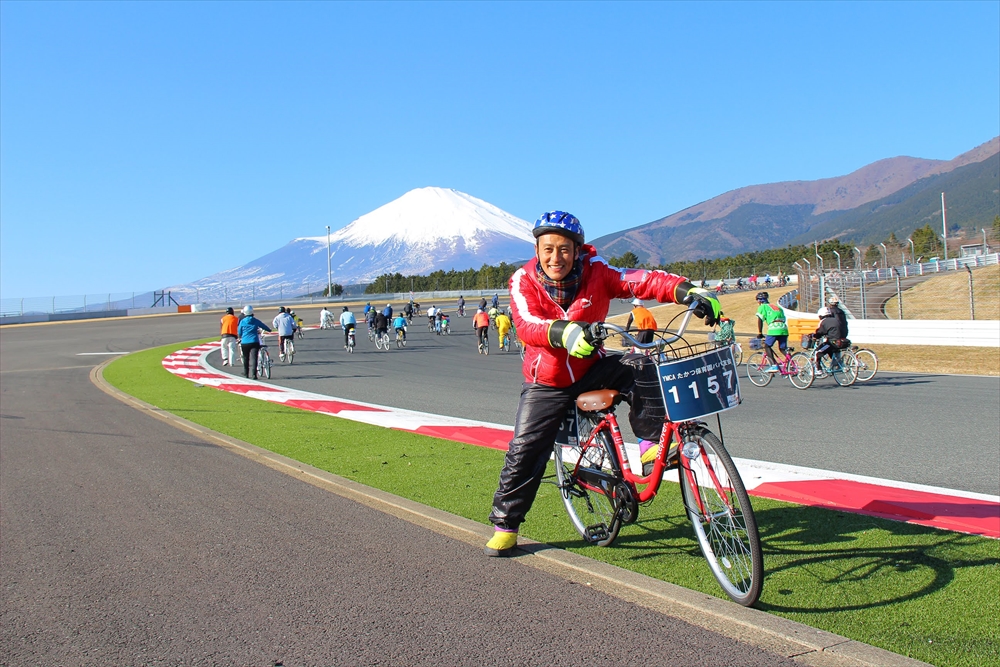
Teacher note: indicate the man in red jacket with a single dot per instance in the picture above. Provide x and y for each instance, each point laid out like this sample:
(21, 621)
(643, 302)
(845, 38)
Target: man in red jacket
(555, 297)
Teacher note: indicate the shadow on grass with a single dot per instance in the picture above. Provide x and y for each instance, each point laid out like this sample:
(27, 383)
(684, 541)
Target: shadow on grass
(820, 561)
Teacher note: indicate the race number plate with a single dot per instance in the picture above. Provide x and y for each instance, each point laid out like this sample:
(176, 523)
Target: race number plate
(701, 385)
(568, 434)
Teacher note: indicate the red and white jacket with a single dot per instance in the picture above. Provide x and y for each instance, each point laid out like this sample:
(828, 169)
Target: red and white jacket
(534, 311)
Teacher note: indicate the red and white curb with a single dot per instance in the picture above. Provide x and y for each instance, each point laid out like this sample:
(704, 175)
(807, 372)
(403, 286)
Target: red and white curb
(948, 509)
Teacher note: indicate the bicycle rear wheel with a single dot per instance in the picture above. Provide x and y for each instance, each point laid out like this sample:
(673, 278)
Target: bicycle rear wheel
(290, 352)
(867, 364)
(755, 369)
(265, 364)
(800, 371)
(588, 479)
(720, 512)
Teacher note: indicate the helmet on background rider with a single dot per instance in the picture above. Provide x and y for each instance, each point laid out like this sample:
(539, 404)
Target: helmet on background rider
(229, 311)
(824, 312)
(346, 309)
(833, 300)
(559, 222)
(636, 302)
(762, 297)
(281, 309)
(248, 310)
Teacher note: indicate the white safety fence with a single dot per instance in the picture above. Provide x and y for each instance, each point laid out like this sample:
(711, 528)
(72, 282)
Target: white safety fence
(961, 333)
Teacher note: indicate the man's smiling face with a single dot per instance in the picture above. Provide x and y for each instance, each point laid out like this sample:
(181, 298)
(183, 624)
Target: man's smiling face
(556, 255)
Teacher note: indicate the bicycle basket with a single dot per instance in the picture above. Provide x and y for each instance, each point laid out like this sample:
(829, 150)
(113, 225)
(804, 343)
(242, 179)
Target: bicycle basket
(808, 341)
(648, 412)
(700, 383)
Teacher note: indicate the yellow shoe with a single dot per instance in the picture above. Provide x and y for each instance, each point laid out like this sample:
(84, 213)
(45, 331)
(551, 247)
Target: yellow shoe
(501, 544)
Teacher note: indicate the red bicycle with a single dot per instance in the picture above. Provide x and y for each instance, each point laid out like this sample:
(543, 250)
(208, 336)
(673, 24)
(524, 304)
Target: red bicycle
(600, 490)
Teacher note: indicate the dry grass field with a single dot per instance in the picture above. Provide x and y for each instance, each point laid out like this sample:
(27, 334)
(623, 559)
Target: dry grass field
(947, 297)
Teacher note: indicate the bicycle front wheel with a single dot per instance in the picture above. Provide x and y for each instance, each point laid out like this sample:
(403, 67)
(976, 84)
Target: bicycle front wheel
(720, 512)
(588, 479)
(867, 364)
(265, 364)
(756, 365)
(800, 371)
(291, 352)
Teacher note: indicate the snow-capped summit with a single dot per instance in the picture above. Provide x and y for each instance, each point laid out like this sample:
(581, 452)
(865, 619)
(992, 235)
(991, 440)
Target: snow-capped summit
(424, 230)
(427, 215)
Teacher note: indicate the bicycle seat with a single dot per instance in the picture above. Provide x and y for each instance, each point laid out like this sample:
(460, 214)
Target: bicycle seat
(594, 401)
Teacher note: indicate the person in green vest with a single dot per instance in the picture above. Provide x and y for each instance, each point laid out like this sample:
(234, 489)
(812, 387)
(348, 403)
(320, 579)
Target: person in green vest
(773, 317)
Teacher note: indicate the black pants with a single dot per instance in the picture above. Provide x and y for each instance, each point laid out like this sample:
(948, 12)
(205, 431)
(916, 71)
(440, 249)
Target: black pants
(347, 333)
(481, 333)
(250, 358)
(539, 413)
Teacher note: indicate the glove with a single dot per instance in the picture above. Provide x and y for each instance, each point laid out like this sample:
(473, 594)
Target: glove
(708, 306)
(760, 335)
(575, 337)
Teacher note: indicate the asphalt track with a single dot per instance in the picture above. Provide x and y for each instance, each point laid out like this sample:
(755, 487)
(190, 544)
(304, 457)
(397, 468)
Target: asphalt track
(938, 430)
(127, 541)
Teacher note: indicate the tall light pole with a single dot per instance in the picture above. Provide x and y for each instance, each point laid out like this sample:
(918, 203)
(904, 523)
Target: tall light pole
(860, 264)
(885, 263)
(944, 228)
(838, 259)
(329, 273)
(913, 253)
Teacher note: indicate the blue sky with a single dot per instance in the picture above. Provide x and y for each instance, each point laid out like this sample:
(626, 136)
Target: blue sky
(149, 144)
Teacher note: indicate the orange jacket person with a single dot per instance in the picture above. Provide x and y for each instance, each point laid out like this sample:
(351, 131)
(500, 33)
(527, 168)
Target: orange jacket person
(229, 340)
(644, 321)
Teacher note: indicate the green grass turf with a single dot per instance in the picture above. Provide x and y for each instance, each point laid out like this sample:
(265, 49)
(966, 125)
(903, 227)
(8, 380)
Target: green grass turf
(929, 594)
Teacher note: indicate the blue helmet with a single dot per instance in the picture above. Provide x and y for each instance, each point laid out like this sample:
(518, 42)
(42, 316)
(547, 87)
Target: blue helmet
(558, 222)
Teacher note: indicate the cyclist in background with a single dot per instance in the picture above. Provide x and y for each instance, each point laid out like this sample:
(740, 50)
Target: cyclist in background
(431, 316)
(830, 335)
(387, 311)
(481, 323)
(726, 334)
(834, 303)
(285, 326)
(644, 322)
(556, 296)
(503, 326)
(348, 322)
(325, 319)
(298, 323)
(370, 319)
(496, 300)
(408, 310)
(399, 324)
(229, 340)
(773, 316)
(250, 340)
(381, 324)
(368, 306)
(461, 306)
(439, 318)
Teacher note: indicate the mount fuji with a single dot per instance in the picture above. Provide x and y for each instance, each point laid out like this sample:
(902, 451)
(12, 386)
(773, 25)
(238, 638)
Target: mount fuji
(425, 230)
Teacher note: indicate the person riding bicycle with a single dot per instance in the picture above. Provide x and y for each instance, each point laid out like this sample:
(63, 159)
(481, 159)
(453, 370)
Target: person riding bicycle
(834, 303)
(556, 296)
(726, 335)
(368, 307)
(830, 337)
(399, 324)
(481, 323)
(644, 322)
(740, 283)
(325, 319)
(298, 323)
(349, 323)
(370, 318)
(777, 328)
(250, 340)
(496, 301)
(461, 306)
(503, 326)
(493, 312)
(381, 324)
(387, 311)
(439, 319)
(432, 316)
(285, 326)
(408, 310)
(720, 287)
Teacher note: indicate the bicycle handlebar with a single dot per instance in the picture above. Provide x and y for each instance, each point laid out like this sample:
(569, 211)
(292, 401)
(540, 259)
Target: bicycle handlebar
(603, 330)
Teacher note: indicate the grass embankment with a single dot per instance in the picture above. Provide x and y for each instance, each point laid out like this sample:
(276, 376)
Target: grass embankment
(946, 297)
(938, 298)
(917, 591)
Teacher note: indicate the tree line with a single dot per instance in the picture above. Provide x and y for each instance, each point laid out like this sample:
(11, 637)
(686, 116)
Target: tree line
(926, 244)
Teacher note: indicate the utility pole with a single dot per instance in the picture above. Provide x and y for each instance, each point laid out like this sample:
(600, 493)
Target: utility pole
(944, 228)
(329, 273)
